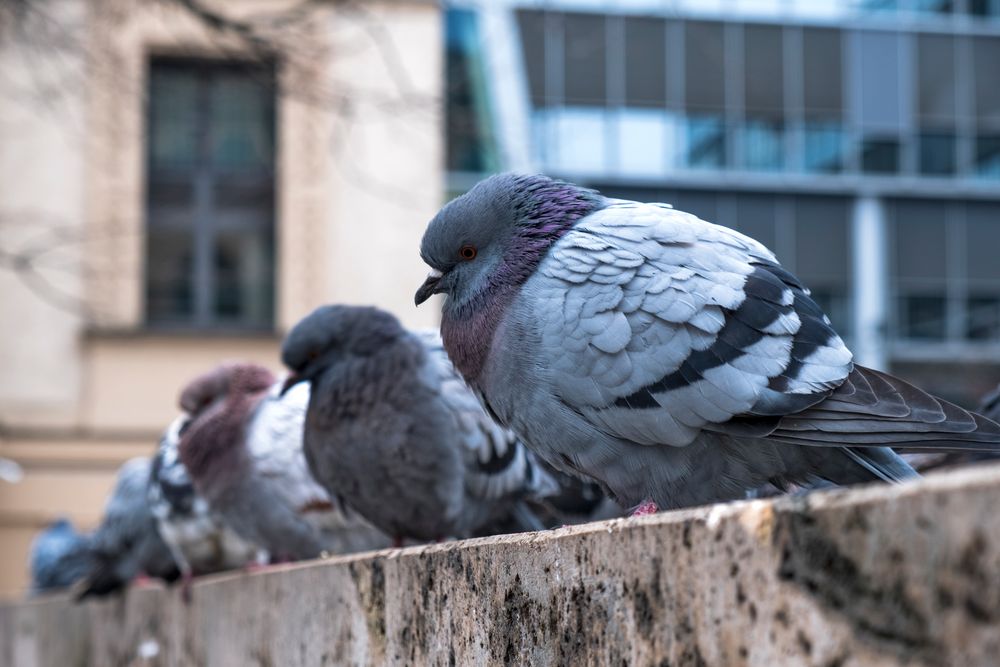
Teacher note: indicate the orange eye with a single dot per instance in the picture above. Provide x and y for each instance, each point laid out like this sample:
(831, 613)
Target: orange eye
(467, 252)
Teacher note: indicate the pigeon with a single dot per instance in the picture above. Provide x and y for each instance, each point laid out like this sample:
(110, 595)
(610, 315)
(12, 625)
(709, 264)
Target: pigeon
(673, 361)
(395, 432)
(60, 556)
(127, 543)
(243, 451)
(199, 539)
(989, 407)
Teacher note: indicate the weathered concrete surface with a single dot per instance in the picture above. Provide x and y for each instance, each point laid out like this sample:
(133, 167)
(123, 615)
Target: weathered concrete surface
(906, 575)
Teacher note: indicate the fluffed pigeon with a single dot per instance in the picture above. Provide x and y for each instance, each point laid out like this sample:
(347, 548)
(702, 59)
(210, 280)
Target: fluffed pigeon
(397, 434)
(243, 450)
(199, 539)
(670, 359)
(127, 543)
(60, 556)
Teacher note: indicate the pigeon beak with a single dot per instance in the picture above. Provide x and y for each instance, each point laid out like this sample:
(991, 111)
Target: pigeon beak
(292, 380)
(429, 287)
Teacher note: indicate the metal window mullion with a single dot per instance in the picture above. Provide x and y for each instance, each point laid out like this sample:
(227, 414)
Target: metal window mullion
(614, 90)
(734, 95)
(906, 46)
(955, 263)
(555, 76)
(792, 57)
(203, 234)
(676, 80)
(850, 44)
(965, 127)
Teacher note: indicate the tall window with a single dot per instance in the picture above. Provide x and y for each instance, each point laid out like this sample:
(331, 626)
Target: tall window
(210, 195)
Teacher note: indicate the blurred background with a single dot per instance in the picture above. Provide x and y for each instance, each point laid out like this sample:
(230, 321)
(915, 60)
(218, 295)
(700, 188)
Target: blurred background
(181, 180)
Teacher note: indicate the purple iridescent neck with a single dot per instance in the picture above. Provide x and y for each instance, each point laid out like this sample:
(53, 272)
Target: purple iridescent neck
(544, 210)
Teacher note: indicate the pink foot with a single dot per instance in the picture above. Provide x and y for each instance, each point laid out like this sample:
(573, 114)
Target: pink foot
(397, 542)
(645, 509)
(186, 579)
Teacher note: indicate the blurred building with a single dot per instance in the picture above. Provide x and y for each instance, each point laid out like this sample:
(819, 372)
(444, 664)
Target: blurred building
(179, 183)
(858, 140)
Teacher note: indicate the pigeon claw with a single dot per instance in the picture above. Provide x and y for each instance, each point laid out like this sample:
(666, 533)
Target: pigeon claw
(645, 509)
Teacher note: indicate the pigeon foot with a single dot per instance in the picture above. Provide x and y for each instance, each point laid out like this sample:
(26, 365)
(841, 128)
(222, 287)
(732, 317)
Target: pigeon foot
(645, 509)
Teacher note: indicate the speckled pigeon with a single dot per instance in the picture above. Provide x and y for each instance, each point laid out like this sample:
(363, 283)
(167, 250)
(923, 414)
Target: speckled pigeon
(397, 434)
(60, 556)
(672, 360)
(243, 450)
(127, 543)
(199, 539)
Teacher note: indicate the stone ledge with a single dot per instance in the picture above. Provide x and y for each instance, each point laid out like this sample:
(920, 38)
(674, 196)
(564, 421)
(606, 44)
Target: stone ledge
(904, 575)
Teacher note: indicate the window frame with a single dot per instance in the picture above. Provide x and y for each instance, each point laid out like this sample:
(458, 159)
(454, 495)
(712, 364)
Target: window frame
(206, 181)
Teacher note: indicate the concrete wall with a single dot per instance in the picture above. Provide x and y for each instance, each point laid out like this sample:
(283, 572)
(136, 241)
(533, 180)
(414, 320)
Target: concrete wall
(83, 384)
(873, 576)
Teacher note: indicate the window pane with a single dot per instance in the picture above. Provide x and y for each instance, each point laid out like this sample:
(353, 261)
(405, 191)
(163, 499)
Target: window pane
(919, 232)
(936, 79)
(988, 156)
(821, 68)
(762, 57)
(756, 217)
(937, 154)
(705, 205)
(880, 155)
(763, 145)
(984, 7)
(243, 288)
(645, 62)
(242, 121)
(585, 81)
(822, 242)
(531, 26)
(982, 225)
(169, 272)
(704, 57)
(706, 142)
(923, 316)
(934, 6)
(173, 101)
(876, 67)
(986, 55)
(983, 317)
(824, 147)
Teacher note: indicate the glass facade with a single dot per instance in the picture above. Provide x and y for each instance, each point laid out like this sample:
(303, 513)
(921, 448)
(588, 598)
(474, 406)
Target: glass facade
(759, 97)
(784, 119)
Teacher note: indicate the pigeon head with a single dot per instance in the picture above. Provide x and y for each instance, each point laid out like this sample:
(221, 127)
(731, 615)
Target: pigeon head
(495, 235)
(332, 333)
(216, 384)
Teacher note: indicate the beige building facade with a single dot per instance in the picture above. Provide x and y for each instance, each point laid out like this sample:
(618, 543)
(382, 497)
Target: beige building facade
(104, 318)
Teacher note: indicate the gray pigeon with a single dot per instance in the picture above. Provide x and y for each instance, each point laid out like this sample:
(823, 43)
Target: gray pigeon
(989, 407)
(127, 543)
(198, 538)
(243, 450)
(672, 360)
(395, 431)
(60, 556)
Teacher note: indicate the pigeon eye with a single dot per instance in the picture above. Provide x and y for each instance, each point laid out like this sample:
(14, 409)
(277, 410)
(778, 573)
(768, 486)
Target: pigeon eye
(467, 252)
(312, 355)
